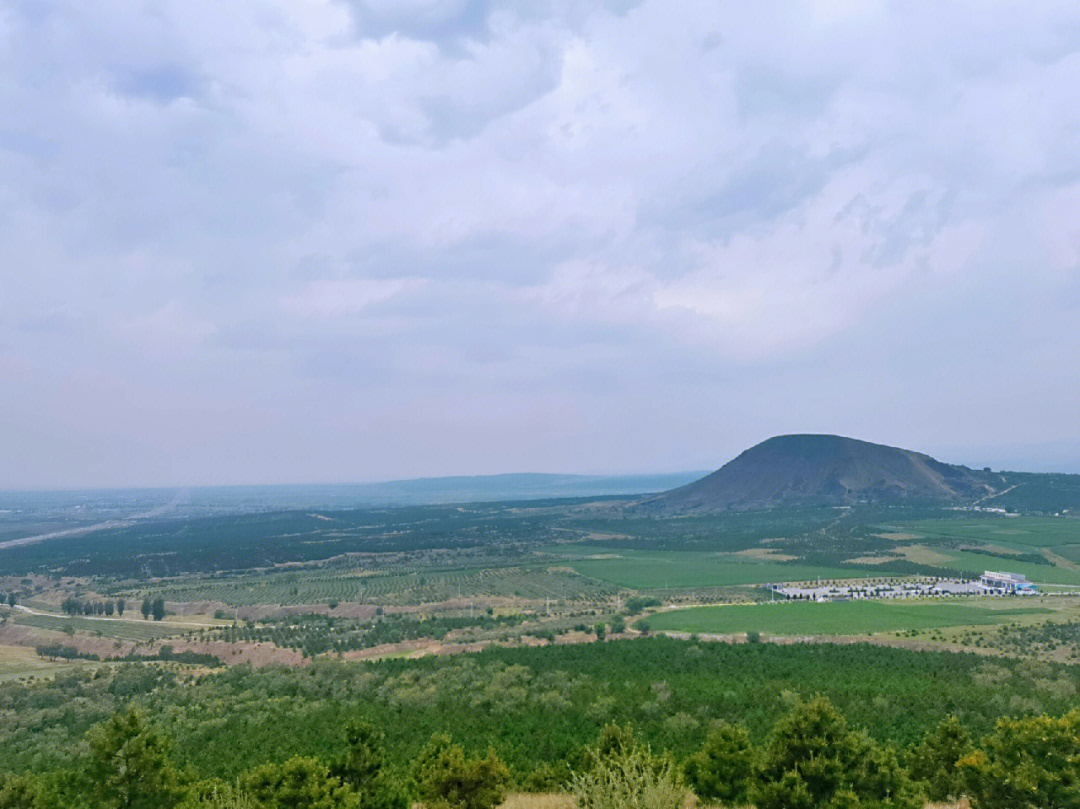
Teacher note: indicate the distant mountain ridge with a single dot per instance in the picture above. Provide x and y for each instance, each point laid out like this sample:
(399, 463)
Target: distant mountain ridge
(429, 491)
(828, 470)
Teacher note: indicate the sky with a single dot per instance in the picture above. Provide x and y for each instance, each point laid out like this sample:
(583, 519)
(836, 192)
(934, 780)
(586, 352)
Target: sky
(352, 240)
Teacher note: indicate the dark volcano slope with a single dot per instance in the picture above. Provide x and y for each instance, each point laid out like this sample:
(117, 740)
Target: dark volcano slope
(827, 470)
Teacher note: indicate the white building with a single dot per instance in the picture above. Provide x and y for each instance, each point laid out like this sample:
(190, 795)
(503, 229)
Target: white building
(1010, 582)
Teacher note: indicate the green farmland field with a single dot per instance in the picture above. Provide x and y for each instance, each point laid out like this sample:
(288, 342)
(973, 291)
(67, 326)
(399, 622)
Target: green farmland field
(1026, 532)
(655, 570)
(835, 617)
(973, 562)
(119, 629)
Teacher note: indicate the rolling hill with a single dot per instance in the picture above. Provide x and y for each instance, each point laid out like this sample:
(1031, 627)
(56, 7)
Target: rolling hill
(828, 470)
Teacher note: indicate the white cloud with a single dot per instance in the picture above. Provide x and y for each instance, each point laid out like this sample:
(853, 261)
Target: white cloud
(531, 195)
(327, 299)
(817, 270)
(167, 330)
(1062, 229)
(595, 291)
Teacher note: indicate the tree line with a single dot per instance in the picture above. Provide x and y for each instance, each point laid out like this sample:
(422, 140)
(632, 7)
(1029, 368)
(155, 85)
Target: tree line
(815, 759)
(77, 606)
(150, 607)
(812, 759)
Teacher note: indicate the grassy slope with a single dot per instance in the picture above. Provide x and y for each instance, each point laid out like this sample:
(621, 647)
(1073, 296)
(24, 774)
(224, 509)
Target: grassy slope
(22, 661)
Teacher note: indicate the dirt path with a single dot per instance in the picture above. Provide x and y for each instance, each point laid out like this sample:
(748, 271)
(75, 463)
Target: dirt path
(995, 494)
(69, 532)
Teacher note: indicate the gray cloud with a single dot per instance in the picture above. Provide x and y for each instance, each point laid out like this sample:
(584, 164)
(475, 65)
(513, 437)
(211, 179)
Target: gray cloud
(365, 239)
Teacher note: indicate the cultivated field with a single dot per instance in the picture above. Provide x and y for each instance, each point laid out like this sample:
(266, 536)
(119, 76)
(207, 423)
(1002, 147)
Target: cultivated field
(1022, 532)
(842, 617)
(403, 584)
(17, 662)
(140, 631)
(664, 570)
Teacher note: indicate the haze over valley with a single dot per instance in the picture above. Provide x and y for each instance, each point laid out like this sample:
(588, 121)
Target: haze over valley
(473, 404)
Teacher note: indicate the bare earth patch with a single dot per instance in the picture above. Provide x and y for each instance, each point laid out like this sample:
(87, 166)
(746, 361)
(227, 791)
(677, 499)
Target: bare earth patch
(870, 560)
(898, 536)
(991, 548)
(923, 555)
(255, 654)
(31, 636)
(555, 800)
(523, 800)
(766, 553)
(407, 648)
(574, 637)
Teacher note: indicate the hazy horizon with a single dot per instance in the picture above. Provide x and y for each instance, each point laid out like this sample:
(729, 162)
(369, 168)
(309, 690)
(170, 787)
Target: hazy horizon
(1048, 459)
(165, 487)
(358, 240)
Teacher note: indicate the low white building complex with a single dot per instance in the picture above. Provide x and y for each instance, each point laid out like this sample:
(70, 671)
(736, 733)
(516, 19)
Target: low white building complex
(1007, 582)
(989, 583)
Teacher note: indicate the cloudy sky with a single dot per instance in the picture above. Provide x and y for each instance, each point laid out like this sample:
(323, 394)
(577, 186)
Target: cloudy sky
(337, 240)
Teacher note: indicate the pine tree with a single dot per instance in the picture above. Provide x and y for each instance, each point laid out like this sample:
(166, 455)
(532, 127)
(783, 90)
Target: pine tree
(129, 766)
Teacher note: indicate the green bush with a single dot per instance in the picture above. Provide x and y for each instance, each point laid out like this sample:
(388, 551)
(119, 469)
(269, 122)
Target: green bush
(299, 782)
(631, 779)
(363, 769)
(1029, 763)
(19, 791)
(814, 759)
(723, 770)
(548, 777)
(933, 761)
(129, 766)
(447, 780)
(636, 604)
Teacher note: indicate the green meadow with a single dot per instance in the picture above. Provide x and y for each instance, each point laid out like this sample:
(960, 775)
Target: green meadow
(836, 617)
(974, 562)
(114, 628)
(1025, 532)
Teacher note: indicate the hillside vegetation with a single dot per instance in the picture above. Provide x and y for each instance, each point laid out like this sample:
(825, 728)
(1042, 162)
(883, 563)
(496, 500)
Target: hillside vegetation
(828, 470)
(540, 711)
